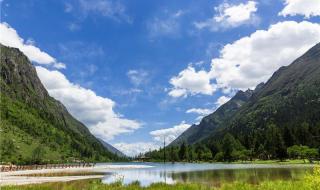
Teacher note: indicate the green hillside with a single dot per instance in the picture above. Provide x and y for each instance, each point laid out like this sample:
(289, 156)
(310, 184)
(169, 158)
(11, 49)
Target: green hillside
(282, 113)
(208, 124)
(266, 124)
(35, 127)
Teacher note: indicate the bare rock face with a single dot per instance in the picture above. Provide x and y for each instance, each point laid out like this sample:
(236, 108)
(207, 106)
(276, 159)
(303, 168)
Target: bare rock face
(18, 73)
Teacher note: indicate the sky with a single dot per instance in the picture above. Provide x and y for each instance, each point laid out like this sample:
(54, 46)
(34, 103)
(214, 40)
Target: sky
(136, 71)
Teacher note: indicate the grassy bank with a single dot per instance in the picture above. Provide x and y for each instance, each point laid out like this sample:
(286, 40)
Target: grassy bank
(287, 161)
(310, 182)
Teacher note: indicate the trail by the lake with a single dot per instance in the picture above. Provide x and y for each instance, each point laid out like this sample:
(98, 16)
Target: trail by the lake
(30, 176)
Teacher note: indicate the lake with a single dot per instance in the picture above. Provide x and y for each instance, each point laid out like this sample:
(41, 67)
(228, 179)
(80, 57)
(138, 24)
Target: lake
(205, 173)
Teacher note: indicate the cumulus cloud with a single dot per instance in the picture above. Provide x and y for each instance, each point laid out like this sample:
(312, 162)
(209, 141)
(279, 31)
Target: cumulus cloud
(9, 37)
(170, 133)
(222, 100)
(202, 112)
(138, 77)
(250, 60)
(199, 111)
(134, 149)
(230, 16)
(253, 59)
(190, 81)
(93, 110)
(59, 65)
(308, 8)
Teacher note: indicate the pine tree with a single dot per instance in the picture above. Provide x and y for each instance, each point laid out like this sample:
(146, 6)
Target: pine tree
(228, 146)
(182, 151)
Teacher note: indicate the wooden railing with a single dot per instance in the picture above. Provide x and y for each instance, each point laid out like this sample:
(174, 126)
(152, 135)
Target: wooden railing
(8, 168)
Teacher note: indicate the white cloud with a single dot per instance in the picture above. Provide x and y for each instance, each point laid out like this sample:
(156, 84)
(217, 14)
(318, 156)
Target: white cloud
(308, 8)
(93, 110)
(106, 8)
(190, 81)
(167, 25)
(169, 134)
(231, 16)
(134, 149)
(199, 111)
(138, 77)
(250, 60)
(59, 65)
(222, 100)
(82, 9)
(202, 112)
(253, 59)
(9, 37)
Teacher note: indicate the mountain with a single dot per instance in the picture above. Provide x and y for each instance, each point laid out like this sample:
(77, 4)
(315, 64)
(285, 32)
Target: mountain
(284, 111)
(208, 124)
(112, 149)
(34, 126)
(290, 100)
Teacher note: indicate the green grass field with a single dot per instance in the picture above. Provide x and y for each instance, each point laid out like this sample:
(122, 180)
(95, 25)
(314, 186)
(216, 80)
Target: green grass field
(310, 182)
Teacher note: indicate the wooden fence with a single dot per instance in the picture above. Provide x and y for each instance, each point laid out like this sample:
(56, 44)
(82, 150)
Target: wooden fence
(8, 168)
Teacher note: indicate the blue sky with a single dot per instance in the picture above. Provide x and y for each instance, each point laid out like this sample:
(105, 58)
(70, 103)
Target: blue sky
(146, 69)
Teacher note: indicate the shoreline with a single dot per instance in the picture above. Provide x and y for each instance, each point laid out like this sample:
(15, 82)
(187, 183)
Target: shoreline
(22, 177)
(16, 178)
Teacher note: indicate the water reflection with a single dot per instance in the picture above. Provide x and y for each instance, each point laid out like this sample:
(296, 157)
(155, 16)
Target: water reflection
(211, 174)
(253, 176)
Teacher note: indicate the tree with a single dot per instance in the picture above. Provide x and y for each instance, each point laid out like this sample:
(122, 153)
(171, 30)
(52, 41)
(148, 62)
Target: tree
(214, 148)
(8, 150)
(274, 141)
(281, 150)
(207, 156)
(244, 154)
(228, 144)
(304, 134)
(311, 154)
(303, 152)
(38, 154)
(183, 151)
(261, 152)
(294, 151)
(288, 137)
(191, 154)
(173, 154)
(219, 157)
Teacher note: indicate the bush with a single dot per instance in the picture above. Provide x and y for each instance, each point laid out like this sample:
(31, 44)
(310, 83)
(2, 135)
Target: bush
(219, 157)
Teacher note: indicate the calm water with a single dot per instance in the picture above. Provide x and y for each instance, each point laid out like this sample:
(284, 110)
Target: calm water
(210, 174)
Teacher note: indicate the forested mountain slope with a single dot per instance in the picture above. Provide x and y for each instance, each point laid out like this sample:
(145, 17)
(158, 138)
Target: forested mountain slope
(263, 123)
(288, 105)
(34, 126)
(208, 124)
(112, 149)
